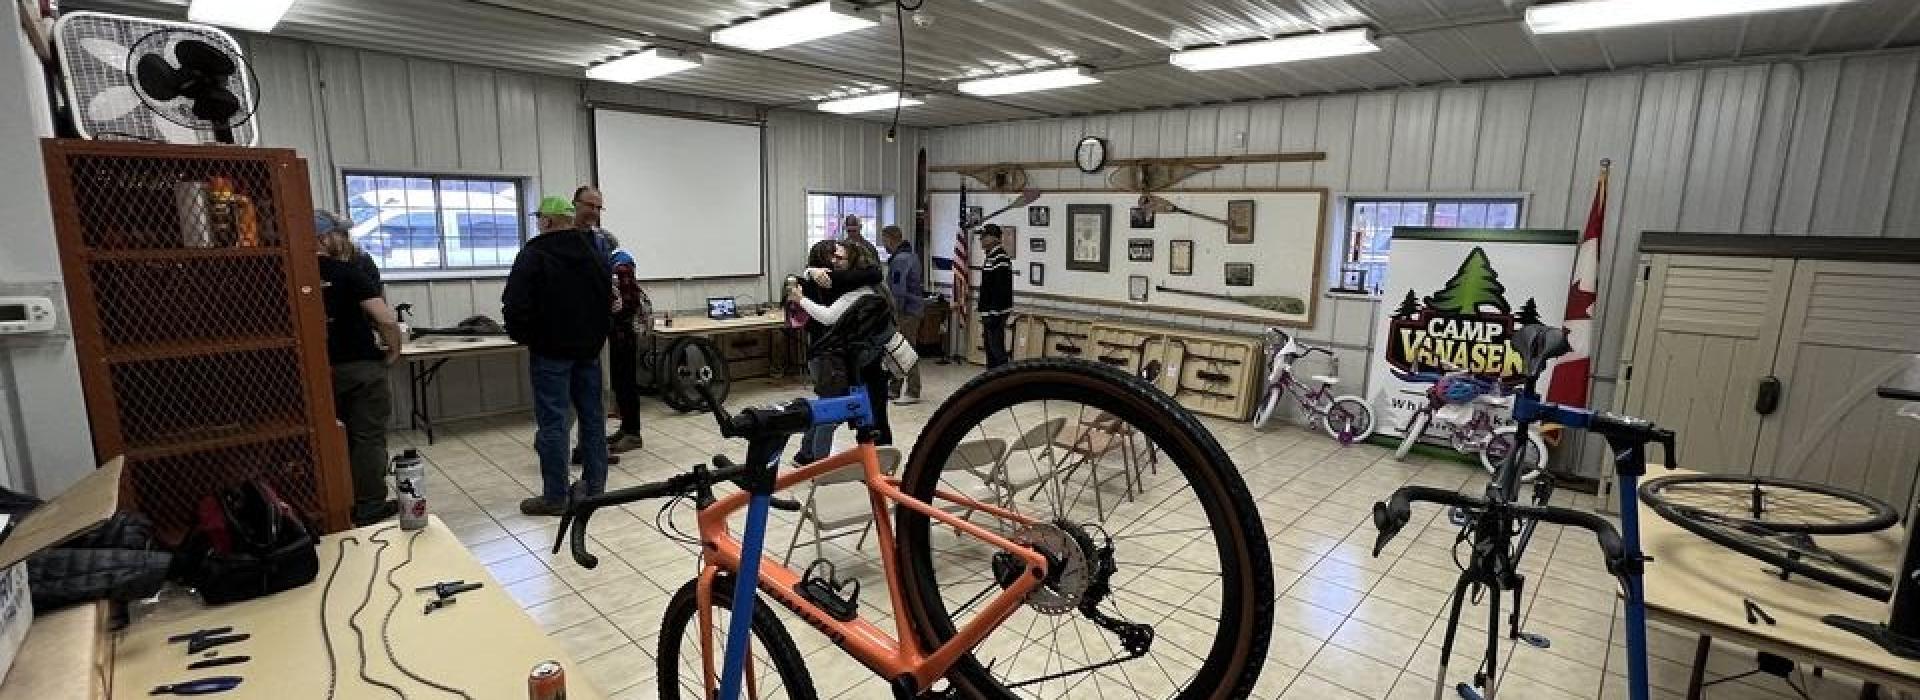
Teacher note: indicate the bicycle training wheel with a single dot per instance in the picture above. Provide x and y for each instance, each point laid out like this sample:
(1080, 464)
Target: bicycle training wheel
(776, 671)
(1160, 583)
(1532, 460)
(1774, 520)
(1416, 427)
(1348, 419)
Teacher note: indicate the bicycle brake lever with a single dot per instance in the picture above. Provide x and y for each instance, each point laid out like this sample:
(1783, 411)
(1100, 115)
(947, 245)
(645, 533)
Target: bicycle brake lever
(1387, 523)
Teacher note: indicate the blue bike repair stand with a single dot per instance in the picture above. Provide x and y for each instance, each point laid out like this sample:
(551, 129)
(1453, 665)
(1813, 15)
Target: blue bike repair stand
(1630, 463)
(854, 407)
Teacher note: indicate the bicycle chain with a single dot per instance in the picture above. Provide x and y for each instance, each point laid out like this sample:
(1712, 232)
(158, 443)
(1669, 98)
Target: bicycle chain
(353, 621)
(326, 637)
(386, 639)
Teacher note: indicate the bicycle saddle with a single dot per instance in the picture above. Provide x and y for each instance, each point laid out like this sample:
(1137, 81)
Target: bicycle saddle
(1327, 380)
(1538, 344)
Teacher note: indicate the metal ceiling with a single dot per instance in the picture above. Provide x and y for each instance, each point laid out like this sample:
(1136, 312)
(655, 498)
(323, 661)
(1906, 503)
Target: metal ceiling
(1126, 41)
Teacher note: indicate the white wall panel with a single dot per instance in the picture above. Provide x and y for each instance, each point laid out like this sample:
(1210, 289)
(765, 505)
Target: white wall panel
(1791, 148)
(436, 131)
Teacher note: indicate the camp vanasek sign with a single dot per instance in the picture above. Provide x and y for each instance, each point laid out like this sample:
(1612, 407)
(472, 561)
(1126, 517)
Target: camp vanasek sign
(1455, 297)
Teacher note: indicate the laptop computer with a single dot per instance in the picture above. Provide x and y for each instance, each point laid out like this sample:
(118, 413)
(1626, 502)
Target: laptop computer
(722, 308)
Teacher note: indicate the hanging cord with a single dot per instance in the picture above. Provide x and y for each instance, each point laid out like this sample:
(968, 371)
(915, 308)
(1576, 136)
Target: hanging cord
(353, 621)
(386, 639)
(900, 89)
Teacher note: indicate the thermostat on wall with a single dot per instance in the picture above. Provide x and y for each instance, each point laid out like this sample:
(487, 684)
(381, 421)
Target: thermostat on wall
(26, 315)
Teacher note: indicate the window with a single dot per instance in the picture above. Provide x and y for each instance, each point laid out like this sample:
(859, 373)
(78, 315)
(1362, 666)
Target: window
(425, 222)
(825, 212)
(1370, 224)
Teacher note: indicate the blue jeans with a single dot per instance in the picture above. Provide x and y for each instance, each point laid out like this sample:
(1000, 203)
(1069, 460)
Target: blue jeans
(562, 390)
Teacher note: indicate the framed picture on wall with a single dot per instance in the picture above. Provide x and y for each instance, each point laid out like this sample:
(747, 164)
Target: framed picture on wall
(1139, 250)
(1139, 217)
(1010, 240)
(1179, 257)
(1240, 221)
(974, 215)
(1039, 216)
(1089, 237)
(1037, 245)
(1137, 288)
(1239, 274)
(1036, 274)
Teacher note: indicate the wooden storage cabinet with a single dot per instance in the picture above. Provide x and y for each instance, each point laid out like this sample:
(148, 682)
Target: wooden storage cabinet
(199, 324)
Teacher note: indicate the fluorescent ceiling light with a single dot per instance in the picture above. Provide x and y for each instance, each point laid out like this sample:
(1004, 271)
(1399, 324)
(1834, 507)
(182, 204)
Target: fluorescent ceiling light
(1029, 82)
(651, 63)
(866, 103)
(1346, 42)
(801, 24)
(1586, 15)
(249, 15)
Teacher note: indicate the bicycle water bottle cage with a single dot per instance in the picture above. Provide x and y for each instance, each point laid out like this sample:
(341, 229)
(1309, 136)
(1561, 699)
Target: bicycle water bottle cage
(825, 592)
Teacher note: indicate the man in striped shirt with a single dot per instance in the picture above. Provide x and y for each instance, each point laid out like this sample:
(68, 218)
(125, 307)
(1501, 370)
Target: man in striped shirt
(996, 295)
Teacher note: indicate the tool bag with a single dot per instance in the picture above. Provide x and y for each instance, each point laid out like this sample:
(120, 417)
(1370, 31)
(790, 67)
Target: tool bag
(247, 543)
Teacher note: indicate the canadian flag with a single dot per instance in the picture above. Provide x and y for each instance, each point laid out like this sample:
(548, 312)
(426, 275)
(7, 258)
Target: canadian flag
(1570, 377)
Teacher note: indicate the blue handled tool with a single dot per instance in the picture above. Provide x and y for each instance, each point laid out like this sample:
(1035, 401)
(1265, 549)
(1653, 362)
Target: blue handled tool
(204, 686)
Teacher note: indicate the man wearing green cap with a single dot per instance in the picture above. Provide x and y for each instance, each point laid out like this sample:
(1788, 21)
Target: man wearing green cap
(556, 304)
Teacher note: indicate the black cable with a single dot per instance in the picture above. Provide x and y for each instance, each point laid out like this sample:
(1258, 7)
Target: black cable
(901, 8)
(326, 638)
(387, 641)
(353, 621)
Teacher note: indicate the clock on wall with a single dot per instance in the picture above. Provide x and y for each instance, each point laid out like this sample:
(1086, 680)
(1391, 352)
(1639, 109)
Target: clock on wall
(1091, 154)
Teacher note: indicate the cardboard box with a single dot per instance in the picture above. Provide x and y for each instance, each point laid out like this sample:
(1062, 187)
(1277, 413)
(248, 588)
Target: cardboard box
(81, 509)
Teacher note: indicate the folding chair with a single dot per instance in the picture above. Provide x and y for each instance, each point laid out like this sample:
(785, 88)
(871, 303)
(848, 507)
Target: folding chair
(845, 505)
(1087, 444)
(1006, 479)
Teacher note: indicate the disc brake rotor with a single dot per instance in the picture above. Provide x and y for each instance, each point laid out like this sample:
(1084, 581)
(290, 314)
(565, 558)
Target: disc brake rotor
(1070, 569)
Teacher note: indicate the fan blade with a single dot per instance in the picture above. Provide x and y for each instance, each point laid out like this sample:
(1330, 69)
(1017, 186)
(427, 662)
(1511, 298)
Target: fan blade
(112, 103)
(108, 52)
(216, 104)
(158, 78)
(205, 58)
(173, 133)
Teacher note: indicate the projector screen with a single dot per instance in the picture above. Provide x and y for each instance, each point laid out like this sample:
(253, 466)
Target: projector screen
(683, 195)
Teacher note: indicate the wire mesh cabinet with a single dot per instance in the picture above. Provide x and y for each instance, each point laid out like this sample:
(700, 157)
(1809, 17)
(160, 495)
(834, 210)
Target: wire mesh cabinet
(198, 319)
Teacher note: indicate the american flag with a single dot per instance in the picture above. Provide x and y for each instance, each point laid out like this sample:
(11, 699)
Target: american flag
(961, 284)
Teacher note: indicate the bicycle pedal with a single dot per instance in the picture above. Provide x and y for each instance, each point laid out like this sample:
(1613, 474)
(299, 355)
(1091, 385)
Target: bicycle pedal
(825, 592)
(1537, 641)
(1467, 692)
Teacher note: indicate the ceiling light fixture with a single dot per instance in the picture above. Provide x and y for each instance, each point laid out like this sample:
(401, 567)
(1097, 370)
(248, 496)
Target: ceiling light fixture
(651, 63)
(249, 15)
(1029, 82)
(1588, 15)
(867, 103)
(798, 25)
(1345, 42)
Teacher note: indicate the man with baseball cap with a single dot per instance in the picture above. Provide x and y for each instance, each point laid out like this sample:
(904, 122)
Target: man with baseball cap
(556, 304)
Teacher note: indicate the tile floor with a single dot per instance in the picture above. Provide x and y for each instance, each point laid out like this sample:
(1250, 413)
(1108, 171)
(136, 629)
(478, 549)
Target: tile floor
(1347, 624)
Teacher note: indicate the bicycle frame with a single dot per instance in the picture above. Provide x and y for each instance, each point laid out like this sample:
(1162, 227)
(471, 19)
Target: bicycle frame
(901, 659)
(1281, 376)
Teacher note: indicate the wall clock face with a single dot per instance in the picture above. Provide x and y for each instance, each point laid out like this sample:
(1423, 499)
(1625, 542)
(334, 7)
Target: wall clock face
(1091, 155)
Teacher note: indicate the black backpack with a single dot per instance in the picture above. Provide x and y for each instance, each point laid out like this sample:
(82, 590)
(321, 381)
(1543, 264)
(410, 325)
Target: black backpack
(247, 543)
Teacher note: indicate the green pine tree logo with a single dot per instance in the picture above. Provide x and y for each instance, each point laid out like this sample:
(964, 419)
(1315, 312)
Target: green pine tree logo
(1474, 285)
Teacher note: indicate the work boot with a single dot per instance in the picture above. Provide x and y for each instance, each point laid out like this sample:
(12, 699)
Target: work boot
(625, 443)
(541, 506)
(368, 514)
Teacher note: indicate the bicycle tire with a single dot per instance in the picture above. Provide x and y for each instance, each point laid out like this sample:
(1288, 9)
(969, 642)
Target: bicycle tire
(1238, 647)
(1354, 430)
(1268, 405)
(704, 358)
(1791, 552)
(1416, 427)
(1853, 513)
(1494, 452)
(770, 638)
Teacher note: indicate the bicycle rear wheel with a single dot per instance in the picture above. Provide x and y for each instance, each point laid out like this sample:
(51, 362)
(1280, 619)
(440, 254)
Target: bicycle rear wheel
(1773, 520)
(1348, 419)
(1149, 527)
(776, 670)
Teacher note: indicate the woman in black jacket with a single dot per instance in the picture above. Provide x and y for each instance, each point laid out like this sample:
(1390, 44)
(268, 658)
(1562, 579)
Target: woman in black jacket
(843, 339)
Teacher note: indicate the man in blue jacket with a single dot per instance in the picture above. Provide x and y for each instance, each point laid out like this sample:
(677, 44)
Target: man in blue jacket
(906, 282)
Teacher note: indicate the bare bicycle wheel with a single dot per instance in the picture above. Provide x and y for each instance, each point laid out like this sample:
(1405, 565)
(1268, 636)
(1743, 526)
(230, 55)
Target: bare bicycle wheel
(1774, 521)
(1160, 583)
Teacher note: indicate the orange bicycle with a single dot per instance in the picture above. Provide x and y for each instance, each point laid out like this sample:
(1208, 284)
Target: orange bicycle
(1009, 573)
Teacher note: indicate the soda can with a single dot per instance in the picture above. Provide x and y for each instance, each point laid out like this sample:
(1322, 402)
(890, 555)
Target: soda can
(408, 474)
(547, 681)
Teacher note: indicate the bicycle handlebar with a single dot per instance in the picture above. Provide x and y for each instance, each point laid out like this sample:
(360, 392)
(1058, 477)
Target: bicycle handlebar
(580, 507)
(1392, 515)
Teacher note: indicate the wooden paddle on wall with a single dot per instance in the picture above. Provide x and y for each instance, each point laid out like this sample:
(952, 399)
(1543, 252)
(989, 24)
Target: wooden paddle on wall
(1161, 205)
(1026, 197)
(1281, 304)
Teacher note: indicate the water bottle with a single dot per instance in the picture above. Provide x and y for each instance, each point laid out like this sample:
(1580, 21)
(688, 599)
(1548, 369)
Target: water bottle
(408, 473)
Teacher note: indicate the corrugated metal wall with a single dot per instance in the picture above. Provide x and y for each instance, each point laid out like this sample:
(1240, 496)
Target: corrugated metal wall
(1828, 147)
(348, 108)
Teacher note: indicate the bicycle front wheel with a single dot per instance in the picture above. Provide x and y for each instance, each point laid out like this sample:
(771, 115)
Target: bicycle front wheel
(776, 670)
(1416, 427)
(1774, 520)
(1532, 459)
(1268, 404)
(1160, 583)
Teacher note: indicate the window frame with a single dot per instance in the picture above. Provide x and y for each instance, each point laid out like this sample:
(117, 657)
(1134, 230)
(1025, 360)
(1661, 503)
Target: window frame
(525, 186)
(883, 205)
(1343, 217)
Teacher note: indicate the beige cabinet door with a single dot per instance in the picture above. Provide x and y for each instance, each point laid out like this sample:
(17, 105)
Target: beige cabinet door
(1706, 334)
(1847, 327)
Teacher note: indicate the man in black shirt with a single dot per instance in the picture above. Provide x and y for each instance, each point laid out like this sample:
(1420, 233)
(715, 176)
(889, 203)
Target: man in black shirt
(996, 295)
(361, 400)
(556, 304)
